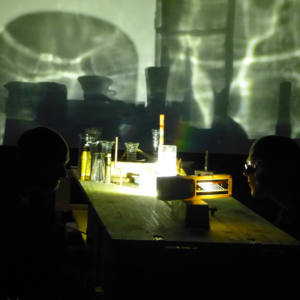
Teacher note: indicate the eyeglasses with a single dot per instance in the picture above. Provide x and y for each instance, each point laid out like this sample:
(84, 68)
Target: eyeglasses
(251, 165)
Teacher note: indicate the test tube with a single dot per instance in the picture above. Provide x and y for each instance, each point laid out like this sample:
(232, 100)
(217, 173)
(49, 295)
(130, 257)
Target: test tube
(161, 129)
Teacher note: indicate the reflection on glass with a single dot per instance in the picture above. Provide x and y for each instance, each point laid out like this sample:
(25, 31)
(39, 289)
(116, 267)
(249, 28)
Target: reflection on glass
(98, 167)
(131, 149)
(155, 140)
(107, 146)
(167, 160)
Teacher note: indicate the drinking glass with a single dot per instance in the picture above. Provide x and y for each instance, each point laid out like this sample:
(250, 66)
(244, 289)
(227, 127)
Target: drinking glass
(155, 141)
(98, 167)
(131, 151)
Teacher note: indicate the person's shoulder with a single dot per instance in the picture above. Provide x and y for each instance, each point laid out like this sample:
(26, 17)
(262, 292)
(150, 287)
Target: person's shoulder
(13, 206)
(290, 221)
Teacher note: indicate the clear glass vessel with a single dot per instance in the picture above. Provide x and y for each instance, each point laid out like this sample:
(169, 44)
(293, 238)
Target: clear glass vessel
(131, 151)
(155, 141)
(106, 146)
(98, 167)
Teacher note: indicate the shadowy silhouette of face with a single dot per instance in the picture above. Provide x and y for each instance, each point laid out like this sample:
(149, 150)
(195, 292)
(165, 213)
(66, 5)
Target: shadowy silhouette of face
(261, 173)
(42, 158)
(273, 169)
(48, 175)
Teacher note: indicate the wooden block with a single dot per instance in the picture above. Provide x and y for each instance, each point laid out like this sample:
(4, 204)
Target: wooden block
(191, 215)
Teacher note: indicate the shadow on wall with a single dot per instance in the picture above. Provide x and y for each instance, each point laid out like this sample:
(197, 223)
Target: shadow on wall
(45, 103)
(60, 47)
(43, 54)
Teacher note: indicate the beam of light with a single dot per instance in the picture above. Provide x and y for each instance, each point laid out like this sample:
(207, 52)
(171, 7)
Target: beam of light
(243, 81)
(203, 94)
(20, 62)
(258, 25)
(201, 60)
(49, 57)
(47, 67)
(200, 83)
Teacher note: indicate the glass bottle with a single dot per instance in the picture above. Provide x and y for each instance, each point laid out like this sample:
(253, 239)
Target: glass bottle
(85, 172)
(83, 140)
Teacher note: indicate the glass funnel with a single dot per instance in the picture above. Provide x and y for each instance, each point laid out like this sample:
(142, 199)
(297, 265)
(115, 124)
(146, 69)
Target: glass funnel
(106, 146)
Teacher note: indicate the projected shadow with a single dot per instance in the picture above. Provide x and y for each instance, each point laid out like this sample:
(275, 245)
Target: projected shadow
(225, 135)
(59, 47)
(53, 49)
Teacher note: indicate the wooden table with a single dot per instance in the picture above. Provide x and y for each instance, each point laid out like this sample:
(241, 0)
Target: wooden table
(139, 250)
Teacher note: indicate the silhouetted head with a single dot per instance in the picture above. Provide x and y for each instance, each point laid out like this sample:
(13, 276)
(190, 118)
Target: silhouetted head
(42, 155)
(273, 166)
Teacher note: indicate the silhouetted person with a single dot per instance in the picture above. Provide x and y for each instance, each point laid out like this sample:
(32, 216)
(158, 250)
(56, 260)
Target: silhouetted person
(31, 250)
(272, 169)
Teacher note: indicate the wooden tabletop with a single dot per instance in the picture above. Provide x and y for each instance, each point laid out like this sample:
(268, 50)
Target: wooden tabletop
(130, 214)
